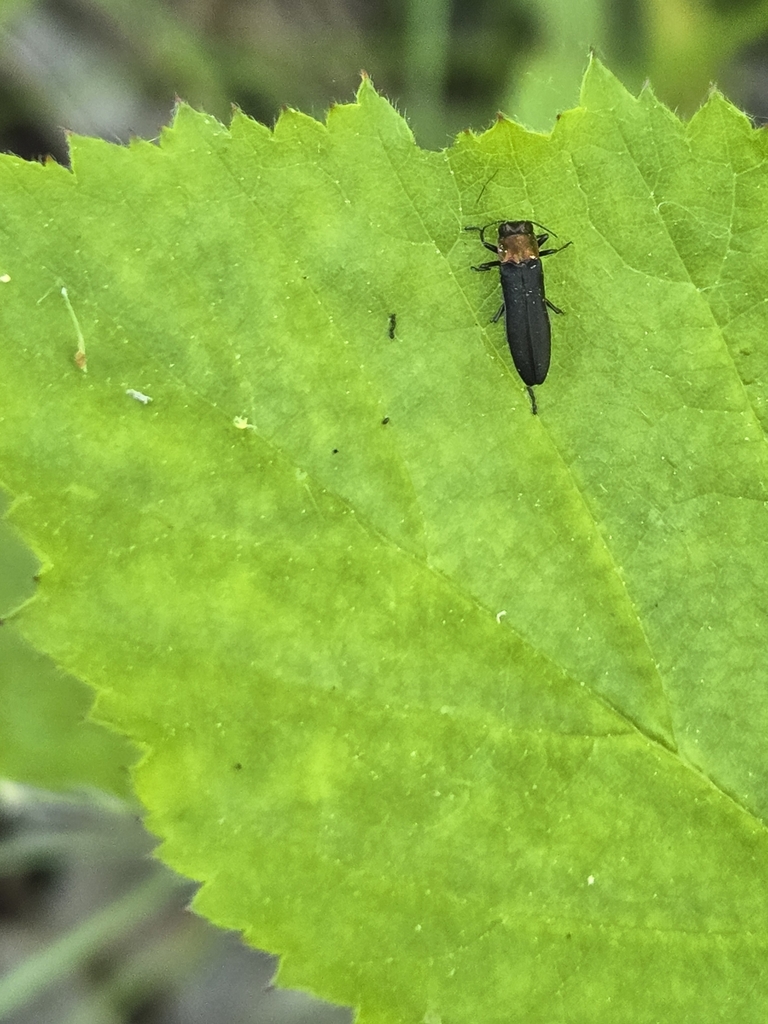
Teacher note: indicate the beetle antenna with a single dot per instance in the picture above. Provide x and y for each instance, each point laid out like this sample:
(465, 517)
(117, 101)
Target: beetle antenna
(544, 228)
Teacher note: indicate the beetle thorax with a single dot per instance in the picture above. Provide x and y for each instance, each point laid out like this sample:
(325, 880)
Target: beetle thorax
(517, 247)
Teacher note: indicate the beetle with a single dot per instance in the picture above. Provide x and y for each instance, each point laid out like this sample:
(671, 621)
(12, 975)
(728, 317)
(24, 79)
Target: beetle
(525, 304)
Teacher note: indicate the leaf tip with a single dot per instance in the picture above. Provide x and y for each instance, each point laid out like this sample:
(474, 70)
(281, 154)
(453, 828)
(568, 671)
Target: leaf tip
(600, 88)
(366, 89)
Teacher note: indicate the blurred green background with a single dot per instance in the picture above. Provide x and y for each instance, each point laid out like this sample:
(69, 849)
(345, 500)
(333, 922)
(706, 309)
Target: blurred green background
(113, 68)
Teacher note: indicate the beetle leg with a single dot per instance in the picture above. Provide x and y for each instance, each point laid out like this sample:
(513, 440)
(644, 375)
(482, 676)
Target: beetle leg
(488, 266)
(498, 314)
(548, 252)
(552, 306)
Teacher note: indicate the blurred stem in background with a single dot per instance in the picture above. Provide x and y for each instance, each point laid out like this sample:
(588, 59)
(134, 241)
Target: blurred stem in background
(550, 79)
(427, 45)
(23, 984)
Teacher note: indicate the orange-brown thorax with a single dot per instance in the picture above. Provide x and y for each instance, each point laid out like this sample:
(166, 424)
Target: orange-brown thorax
(517, 242)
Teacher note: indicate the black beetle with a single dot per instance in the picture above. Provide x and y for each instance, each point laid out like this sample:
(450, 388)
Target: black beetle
(522, 286)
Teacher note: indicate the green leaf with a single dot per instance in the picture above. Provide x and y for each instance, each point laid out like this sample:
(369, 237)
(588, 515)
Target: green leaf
(44, 738)
(458, 709)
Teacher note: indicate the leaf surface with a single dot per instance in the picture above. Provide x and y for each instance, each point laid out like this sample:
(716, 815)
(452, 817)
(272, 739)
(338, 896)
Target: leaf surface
(458, 709)
(45, 739)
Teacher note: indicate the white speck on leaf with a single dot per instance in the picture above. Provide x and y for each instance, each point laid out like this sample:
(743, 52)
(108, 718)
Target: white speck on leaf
(144, 399)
